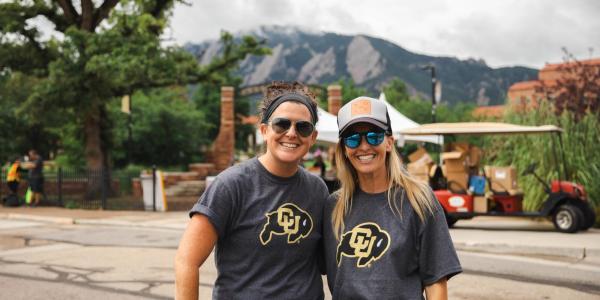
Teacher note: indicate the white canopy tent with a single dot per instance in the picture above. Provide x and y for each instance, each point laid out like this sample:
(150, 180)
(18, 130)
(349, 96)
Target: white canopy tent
(401, 122)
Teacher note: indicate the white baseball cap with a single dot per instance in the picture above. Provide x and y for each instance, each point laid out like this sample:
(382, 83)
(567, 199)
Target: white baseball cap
(364, 110)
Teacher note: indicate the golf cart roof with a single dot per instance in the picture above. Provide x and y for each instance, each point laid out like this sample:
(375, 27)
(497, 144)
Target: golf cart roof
(477, 128)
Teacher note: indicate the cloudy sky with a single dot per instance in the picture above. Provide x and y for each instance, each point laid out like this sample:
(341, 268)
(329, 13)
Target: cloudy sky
(502, 32)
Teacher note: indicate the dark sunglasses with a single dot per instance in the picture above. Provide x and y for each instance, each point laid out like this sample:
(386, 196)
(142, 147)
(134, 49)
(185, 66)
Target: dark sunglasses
(373, 138)
(281, 125)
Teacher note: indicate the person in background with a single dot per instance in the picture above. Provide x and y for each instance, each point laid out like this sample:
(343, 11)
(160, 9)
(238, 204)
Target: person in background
(385, 233)
(35, 165)
(319, 163)
(263, 215)
(13, 178)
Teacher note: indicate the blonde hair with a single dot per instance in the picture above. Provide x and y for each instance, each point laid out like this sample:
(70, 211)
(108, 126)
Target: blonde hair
(417, 192)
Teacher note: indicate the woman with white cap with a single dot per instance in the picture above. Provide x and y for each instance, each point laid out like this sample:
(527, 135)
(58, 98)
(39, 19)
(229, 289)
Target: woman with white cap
(385, 233)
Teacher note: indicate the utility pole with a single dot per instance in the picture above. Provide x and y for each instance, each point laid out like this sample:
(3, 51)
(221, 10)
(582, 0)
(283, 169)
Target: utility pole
(433, 83)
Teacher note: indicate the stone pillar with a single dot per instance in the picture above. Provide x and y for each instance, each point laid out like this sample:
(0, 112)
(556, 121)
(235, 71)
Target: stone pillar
(224, 144)
(334, 99)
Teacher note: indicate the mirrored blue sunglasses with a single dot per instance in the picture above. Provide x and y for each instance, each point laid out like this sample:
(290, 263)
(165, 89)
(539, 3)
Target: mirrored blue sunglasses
(373, 138)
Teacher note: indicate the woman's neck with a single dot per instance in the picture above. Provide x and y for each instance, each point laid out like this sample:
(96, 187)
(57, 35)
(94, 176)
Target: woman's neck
(373, 183)
(277, 168)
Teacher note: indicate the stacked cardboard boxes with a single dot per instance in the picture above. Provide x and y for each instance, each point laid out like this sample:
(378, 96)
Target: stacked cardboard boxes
(473, 155)
(420, 164)
(454, 167)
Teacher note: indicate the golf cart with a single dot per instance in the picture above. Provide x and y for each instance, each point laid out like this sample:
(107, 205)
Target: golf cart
(566, 203)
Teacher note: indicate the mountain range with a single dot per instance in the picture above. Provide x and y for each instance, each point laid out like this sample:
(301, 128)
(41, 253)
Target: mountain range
(324, 57)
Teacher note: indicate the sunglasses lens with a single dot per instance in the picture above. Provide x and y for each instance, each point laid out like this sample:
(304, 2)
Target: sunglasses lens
(304, 128)
(375, 138)
(352, 141)
(280, 125)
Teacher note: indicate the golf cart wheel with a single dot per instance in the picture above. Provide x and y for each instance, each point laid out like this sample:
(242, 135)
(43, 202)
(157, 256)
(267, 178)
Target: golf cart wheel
(589, 216)
(567, 218)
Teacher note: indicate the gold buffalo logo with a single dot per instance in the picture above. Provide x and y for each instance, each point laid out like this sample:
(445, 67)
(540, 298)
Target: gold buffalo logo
(366, 241)
(287, 219)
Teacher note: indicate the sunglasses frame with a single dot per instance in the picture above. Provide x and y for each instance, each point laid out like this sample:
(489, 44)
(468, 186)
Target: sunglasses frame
(291, 123)
(377, 136)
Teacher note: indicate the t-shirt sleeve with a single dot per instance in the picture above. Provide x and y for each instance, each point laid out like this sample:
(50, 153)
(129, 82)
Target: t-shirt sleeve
(437, 256)
(216, 203)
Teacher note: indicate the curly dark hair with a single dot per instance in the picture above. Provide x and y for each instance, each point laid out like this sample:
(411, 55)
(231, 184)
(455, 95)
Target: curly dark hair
(278, 88)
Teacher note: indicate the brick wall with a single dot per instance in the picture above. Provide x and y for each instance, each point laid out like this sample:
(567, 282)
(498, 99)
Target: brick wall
(334, 99)
(223, 148)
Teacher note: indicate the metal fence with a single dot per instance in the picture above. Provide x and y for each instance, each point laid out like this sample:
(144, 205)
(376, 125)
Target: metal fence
(83, 188)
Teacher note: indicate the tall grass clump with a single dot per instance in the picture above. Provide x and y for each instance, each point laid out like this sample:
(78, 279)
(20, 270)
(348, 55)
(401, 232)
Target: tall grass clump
(581, 144)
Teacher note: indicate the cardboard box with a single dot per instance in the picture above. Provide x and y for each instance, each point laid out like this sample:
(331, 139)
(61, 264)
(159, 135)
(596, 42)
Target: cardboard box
(480, 204)
(457, 180)
(421, 177)
(420, 156)
(419, 171)
(503, 179)
(454, 161)
(514, 192)
(475, 155)
(460, 146)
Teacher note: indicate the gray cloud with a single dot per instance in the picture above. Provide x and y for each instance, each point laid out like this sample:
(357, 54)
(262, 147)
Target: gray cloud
(509, 32)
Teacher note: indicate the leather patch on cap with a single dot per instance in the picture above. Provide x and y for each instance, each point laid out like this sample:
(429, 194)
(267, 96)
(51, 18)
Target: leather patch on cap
(361, 107)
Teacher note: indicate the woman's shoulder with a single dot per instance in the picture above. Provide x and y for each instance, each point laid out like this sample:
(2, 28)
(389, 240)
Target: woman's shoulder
(312, 179)
(241, 172)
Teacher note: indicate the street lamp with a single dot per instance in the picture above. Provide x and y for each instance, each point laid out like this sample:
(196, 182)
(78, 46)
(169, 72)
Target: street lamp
(433, 84)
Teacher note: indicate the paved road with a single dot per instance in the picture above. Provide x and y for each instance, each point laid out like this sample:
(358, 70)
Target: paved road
(95, 259)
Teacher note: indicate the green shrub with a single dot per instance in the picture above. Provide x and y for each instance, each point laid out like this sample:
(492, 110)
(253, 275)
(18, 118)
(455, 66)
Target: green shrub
(580, 158)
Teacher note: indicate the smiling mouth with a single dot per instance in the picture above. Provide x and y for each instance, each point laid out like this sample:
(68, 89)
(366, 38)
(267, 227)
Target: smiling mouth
(366, 158)
(289, 145)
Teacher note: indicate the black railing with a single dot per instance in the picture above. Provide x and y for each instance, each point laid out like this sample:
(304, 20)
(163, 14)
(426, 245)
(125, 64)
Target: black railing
(83, 188)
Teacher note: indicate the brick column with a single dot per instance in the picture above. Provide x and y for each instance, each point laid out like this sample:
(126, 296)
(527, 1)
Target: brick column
(224, 144)
(334, 99)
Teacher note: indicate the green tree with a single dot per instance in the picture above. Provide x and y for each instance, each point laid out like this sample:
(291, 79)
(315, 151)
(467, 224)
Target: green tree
(20, 132)
(419, 110)
(349, 90)
(577, 90)
(168, 129)
(104, 51)
(207, 97)
(395, 92)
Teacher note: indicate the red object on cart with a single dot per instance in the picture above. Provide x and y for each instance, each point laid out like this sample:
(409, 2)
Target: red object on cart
(508, 203)
(454, 202)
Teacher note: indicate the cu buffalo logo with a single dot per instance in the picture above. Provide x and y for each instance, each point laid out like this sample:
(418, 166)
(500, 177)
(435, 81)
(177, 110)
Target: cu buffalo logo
(367, 242)
(288, 220)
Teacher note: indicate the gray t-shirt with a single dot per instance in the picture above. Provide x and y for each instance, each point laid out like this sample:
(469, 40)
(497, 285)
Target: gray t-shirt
(383, 256)
(270, 231)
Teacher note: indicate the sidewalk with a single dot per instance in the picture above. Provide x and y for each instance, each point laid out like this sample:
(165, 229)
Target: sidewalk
(164, 220)
(525, 236)
(516, 236)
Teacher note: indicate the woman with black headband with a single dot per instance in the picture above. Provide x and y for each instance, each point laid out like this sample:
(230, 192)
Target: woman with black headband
(385, 234)
(264, 215)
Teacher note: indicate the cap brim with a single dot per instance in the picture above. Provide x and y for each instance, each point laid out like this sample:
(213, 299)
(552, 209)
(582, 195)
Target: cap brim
(363, 120)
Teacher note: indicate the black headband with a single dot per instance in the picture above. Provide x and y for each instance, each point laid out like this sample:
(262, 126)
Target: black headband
(290, 97)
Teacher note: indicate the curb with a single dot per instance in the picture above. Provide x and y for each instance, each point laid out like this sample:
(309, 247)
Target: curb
(46, 219)
(73, 221)
(577, 253)
(127, 224)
